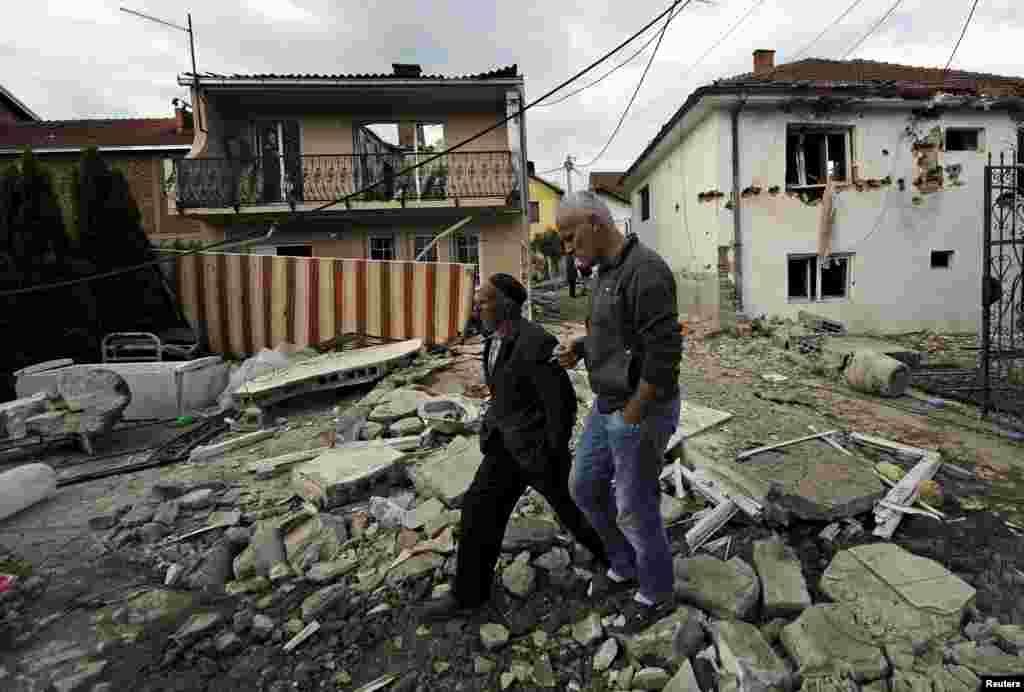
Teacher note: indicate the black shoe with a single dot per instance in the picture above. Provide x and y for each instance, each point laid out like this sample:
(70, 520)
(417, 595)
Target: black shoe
(447, 608)
(601, 585)
(639, 616)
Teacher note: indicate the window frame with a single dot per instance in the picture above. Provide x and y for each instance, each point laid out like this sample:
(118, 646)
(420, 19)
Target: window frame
(533, 205)
(305, 246)
(978, 138)
(824, 130)
(416, 250)
(644, 195)
(817, 294)
(948, 254)
(381, 236)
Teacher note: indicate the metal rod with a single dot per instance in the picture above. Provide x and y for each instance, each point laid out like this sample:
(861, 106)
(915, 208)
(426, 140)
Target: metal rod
(195, 76)
(446, 232)
(154, 19)
(986, 275)
(751, 452)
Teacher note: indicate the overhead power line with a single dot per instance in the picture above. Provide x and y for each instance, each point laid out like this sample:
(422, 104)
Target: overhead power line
(803, 51)
(962, 34)
(611, 71)
(872, 29)
(128, 270)
(636, 91)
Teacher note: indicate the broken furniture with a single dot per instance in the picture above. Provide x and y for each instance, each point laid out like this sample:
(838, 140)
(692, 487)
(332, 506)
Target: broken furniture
(327, 371)
(159, 390)
(135, 347)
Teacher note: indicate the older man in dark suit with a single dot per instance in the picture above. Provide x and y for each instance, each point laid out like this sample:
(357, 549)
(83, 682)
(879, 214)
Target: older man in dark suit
(525, 441)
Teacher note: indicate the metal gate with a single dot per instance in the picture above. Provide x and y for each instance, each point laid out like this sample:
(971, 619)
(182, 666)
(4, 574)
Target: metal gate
(1001, 358)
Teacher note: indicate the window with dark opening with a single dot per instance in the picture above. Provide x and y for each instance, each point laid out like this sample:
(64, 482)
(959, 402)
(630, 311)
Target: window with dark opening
(534, 212)
(645, 202)
(942, 259)
(811, 280)
(962, 139)
(810, 149)
(294, 250)
(834, 276)
(382, 248)
(421, 243)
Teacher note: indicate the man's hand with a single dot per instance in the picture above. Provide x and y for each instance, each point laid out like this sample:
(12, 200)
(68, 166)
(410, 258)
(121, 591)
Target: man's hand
(633, 413)
(566, 356)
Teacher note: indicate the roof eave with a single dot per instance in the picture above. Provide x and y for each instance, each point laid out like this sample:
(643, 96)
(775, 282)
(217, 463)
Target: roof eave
(78, 148)
(221, 82)
(16, 102)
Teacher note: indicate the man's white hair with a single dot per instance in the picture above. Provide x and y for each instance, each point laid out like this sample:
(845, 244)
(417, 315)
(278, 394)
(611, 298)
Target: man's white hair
(584, 203)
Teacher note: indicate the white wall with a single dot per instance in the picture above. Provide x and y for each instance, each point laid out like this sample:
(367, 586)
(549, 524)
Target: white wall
(622, 213)
(684, 231)
(892, 286)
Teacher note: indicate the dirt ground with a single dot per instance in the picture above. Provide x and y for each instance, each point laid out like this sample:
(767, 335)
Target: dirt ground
(53, 540)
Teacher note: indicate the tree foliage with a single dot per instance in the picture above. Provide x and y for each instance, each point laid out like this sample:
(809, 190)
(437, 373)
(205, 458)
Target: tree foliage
(31, 224)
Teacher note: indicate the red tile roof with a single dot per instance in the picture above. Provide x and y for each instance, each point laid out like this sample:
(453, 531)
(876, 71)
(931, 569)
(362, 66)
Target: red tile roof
(510, 72)
(131, 132)
(872, 73)
(608, 183)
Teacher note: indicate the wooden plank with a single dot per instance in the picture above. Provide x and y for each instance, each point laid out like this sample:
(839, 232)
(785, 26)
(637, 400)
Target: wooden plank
(245, 303)
(442, 291)
(313, 301)
(419, 301)
(888, 445)
(751, 452)
(715, 493)
(695, 419)
(290, 291)
(711, 523)
(223, 308)
(267, 301)
(905, 493)
(408, 283)
(327, 306)
(361, 297)
(278, 302)
(454, 296)
(429, 304)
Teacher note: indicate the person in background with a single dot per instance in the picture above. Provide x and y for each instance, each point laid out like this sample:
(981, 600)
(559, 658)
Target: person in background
(572, 275)
(525, 441)
(633, 350)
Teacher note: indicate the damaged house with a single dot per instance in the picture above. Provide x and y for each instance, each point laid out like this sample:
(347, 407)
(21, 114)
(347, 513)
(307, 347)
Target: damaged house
(734, 191)
(270, 145)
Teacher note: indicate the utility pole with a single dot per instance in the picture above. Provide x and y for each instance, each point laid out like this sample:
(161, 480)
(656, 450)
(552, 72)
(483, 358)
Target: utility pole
(569, 167)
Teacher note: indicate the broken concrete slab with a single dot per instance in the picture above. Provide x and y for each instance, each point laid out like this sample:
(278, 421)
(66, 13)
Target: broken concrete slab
(14, 414)
(684, 680)
(529, 533)
(424, 513)
(519, 577)
(783, 587)
(878, 374)
(693, 420)
(724, 589)
(589, 631)
(899, 595)
(205, 452)
(448, 474)
(268, 468)
(408, 427)
(415, 566)
(831, 639)
(328, 371)
(983, 662)
(196, 626)
(326, 572)
(657, 643)
(843, 348)
(451, 414)
(101, 396)
(398, 405)
(745, 654)
(335, 476)
(811, 481)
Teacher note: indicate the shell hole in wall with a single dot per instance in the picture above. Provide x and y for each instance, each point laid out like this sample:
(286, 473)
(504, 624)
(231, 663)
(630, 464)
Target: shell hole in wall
(885, 152)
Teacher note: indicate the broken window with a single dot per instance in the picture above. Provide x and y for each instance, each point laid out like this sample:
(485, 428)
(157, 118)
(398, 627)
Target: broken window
(422, 241)
(808, 279)
(645, 202)
(382, 247)
(809, 150)
(962, 139)
(942, 259)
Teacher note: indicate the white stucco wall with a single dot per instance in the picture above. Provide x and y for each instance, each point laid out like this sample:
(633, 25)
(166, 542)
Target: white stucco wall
(621, 212)
(685, 232)
(892, 285)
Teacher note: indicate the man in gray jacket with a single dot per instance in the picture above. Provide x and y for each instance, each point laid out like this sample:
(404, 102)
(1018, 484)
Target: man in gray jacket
(632, 354)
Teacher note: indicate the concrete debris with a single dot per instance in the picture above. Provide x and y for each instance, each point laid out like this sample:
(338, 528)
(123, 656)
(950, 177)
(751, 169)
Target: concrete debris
(589, 630)
(529, 533)
(685, 680)
(782, 581)
(658, 643)
(339, 475)
(605, 655)
(831, 639)
(519, 577)
(451, 415)
(493, 636)
(878, 374)
(746, 655)
(213, 451)
(424, 514)
(724, 589)
(397, 405)
(269, 468)
(296, 641)
(448, 475)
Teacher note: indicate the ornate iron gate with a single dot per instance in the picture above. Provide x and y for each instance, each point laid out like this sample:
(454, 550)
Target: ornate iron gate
(1002, 296)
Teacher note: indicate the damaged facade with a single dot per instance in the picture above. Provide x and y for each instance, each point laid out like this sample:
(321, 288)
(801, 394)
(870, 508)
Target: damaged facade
(273, 145)
(732, 192)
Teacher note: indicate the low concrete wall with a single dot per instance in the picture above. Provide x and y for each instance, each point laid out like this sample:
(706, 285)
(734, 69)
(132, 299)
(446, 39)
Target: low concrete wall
(698, 298)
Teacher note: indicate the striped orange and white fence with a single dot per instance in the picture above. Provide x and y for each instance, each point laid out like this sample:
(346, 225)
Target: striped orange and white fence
(247, 302)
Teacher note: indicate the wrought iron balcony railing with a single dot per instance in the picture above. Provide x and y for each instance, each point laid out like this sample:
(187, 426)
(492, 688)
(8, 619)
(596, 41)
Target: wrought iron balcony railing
(221, 182)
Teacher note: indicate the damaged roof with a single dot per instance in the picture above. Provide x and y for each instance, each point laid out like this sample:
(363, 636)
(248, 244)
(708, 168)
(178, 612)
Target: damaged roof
(853, 78)
(20, 110)
(79, 134)
(510, 72)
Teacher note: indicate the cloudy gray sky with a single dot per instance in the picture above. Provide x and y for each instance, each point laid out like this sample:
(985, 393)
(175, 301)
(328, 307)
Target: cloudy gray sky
(84, 58)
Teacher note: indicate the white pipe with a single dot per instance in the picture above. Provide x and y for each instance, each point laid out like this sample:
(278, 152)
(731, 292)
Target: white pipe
(445, 233)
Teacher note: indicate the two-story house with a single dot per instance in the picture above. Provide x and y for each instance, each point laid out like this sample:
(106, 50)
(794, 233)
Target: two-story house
(545, 197)
(272, 148)
(731, 191)
(608, 186)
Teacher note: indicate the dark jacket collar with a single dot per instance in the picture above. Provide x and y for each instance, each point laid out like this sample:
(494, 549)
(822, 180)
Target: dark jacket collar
(627, 247)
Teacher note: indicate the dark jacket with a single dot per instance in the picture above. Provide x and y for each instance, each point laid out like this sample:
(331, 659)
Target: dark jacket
(634, 328)
(571, 273)
(533, 405)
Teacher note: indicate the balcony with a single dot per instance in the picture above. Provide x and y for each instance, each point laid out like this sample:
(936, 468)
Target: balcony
(478, 178)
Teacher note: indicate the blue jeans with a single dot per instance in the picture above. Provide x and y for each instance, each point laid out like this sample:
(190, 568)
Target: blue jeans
(628, 515)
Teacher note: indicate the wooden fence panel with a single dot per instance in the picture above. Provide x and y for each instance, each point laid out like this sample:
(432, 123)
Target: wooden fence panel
(247, 302)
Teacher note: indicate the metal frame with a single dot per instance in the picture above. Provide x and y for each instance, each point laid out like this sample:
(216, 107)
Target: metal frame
(1002, 316)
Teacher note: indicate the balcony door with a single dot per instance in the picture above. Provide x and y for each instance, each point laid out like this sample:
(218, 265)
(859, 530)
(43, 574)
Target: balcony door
(278, 150)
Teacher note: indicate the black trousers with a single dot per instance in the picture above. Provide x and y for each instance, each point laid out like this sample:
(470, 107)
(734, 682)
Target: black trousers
(572, 288)
(487, 507)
